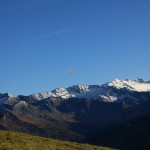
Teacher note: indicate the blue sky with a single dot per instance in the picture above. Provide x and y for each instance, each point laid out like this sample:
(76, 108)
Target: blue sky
(99, 39)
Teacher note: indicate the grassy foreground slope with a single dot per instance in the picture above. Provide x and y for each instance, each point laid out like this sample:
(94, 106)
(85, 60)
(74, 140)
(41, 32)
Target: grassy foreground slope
(19, 141)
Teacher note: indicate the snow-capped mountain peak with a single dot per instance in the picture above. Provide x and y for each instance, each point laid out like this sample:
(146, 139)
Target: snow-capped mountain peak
(78, 88)
(138, 85)
(61, 92)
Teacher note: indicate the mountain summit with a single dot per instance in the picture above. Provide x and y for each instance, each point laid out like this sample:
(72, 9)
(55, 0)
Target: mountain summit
(138, 85)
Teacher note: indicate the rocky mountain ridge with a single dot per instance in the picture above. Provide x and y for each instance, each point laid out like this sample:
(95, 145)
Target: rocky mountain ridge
(104, 92)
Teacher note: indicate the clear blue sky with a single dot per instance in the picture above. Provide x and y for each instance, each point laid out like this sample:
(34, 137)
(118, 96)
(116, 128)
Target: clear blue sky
(99, 39)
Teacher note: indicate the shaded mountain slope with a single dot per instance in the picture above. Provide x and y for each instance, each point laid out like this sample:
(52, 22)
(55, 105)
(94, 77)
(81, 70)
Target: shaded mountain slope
(132, 135)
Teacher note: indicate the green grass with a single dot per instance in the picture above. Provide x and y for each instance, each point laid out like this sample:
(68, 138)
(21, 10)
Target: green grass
(20, 141)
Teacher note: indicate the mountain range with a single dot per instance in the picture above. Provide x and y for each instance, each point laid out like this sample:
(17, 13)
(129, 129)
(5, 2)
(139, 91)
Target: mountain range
(97, 114)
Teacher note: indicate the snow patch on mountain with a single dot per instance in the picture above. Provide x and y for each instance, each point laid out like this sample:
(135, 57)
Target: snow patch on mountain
(40, 96)
(21, 104)
(61, 92)
(108, 98)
